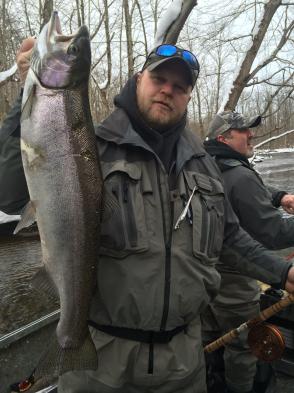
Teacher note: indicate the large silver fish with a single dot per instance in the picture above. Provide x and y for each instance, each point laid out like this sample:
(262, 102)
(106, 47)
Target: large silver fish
(65, 185)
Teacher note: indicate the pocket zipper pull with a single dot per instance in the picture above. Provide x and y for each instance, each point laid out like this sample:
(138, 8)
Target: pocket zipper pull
(125, 191)
(185, 210)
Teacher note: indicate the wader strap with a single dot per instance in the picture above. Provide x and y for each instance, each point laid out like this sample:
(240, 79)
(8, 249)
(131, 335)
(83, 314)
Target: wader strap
(151, 358)
(144, 336)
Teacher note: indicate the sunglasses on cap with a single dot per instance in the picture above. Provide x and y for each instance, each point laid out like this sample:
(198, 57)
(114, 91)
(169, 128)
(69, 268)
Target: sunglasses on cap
(167, 51)
(171, 50)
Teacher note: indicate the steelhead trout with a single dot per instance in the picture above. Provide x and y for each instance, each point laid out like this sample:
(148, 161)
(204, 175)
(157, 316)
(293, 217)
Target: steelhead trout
(64, 178)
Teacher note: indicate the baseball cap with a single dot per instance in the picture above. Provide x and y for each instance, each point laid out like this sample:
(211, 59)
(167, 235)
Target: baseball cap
(227, 120)
(168, 52)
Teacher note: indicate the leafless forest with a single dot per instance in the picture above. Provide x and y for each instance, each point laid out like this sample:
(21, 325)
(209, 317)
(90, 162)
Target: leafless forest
(245, 49)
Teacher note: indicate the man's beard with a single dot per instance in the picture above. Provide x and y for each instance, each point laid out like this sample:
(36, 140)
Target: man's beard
(157, 122)
(250, 153)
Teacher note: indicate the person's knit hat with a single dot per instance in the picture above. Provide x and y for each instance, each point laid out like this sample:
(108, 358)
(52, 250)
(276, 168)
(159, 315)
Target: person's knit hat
(227, 120)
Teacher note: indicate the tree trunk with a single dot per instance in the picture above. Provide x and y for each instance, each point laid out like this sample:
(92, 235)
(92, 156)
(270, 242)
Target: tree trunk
(173, 31)
(143, 27)
(46, 13)
(239, 84)
(78, 13)
(128, 20)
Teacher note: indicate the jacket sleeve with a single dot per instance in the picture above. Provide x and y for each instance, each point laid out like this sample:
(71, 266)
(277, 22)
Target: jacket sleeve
(277, 196)
(13, 188)
(241, 252)
(252, 203)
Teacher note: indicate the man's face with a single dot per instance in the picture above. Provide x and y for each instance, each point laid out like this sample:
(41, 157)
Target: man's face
(163, 95)
(240, 140)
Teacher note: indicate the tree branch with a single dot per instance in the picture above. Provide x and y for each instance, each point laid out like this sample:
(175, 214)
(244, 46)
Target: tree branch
(172, 33)
(282, 42)
(239, 83)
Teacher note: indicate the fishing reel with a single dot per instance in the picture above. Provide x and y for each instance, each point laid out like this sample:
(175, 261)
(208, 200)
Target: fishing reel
(266, 342)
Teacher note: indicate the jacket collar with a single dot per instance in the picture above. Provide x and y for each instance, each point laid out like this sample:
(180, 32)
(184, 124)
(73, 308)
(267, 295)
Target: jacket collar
(224, 152)
(188, 146)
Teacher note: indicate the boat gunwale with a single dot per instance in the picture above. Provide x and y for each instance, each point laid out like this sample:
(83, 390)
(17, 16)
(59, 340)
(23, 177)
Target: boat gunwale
(7, 339)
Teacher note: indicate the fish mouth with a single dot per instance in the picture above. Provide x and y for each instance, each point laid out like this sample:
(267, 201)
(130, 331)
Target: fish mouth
(61, 60)
(54, 32)
(54, 26)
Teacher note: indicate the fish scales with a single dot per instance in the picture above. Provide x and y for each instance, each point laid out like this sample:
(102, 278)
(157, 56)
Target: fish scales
(68, 219)
(64, 178)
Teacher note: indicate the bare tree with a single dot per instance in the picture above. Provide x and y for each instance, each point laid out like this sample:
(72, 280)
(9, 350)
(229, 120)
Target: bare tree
(143, 27)
(46, 12)
(173, 32)
(219, 34)
(243, 76)
(128, 22)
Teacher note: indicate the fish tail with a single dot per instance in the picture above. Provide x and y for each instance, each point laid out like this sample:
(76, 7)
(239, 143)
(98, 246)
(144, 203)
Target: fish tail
(57, 360)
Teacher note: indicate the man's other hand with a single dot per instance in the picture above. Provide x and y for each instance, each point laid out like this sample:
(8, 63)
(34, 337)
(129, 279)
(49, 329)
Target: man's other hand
(23, 57)
(287, 203)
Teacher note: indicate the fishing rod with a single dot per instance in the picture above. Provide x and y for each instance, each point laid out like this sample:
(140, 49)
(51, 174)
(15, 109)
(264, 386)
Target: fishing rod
(270, 336)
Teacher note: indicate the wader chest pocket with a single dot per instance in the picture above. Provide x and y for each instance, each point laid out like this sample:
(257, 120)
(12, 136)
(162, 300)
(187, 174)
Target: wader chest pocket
(207, 207)
(125, 231)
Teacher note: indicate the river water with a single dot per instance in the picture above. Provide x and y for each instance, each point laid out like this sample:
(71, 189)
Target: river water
(277, 169)
(20, 303)
(20, 258)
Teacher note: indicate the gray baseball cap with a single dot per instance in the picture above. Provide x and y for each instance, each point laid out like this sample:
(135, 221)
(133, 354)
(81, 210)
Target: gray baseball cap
(227, 120)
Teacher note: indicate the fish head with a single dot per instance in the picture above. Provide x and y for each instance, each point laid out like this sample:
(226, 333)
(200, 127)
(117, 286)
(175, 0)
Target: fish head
(61, 61)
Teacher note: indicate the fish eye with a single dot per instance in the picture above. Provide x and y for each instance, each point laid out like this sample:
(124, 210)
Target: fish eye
(73, 50)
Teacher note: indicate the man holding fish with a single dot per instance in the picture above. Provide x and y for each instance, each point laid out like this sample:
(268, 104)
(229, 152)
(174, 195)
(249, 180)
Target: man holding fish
(165, 221)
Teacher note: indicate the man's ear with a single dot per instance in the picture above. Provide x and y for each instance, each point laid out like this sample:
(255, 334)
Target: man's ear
(221, 138)
(139, 76)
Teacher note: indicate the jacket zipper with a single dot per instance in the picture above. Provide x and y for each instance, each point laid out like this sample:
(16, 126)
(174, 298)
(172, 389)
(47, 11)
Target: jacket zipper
(129, 215)
(205, 224)
(168, 241)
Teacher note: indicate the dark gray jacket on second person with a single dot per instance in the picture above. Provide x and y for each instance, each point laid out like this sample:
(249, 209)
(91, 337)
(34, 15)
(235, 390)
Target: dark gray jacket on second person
(255, 205)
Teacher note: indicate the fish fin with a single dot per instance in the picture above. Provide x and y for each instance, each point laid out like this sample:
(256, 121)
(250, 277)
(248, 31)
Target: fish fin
(44, 283)
(28, 95)
(110, 205)
(28, 217)
(27, 105)
(57, 360)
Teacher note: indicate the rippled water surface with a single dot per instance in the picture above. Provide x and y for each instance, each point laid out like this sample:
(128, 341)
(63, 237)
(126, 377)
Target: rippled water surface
(20, 304)
(277, 170)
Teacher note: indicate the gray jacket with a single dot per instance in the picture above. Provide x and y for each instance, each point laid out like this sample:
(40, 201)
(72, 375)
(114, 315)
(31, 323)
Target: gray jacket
(146, 256)
(142, 255)
(253, 203)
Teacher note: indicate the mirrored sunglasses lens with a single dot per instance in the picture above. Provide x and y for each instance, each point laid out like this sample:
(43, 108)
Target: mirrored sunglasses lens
(190, 58)
(166, 50)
